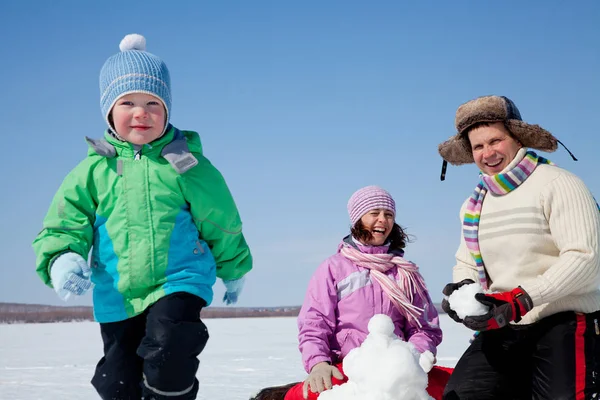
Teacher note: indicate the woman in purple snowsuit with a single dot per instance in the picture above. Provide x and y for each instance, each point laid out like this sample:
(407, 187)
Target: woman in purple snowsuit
(368, 275)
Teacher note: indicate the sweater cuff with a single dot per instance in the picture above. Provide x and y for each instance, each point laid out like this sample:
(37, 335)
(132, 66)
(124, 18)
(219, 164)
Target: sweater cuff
(534, 291)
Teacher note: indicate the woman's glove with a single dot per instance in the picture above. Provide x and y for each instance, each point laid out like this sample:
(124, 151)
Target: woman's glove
(426, 361)
(319, 378)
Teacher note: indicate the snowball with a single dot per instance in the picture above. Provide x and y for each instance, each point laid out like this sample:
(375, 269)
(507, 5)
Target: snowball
(464, 303)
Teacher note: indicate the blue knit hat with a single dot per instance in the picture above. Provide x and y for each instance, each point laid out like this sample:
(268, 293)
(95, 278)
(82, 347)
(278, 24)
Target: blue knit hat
(134, 70)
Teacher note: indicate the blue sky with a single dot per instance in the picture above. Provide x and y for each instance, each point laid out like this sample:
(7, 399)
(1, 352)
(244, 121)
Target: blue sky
(298, 104)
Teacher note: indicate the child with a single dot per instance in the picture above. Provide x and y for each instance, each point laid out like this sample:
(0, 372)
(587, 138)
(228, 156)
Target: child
(368, 275)
(161, 225)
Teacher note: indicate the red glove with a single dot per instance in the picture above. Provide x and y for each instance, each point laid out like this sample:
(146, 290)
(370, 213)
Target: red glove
(504, 308)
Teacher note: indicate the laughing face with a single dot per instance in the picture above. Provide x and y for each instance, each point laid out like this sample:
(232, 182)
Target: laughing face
(493, 147)
(379, 222)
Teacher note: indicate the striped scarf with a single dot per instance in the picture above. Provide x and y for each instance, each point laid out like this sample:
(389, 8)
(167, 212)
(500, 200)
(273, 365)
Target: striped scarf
(400, 293)
(499, 184)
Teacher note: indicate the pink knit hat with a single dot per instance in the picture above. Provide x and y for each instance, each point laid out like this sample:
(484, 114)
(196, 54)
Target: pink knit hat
(367, 199)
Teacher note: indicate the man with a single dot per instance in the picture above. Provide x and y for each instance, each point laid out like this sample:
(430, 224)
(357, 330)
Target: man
(531, 238)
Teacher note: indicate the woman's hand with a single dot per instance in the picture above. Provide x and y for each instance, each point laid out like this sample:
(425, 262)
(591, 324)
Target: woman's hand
(319, 378)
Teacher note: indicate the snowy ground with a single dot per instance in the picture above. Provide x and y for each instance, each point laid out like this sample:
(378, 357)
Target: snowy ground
(56, 361)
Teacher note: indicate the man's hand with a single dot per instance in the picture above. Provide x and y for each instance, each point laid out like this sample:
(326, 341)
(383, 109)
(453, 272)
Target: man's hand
(447, 291)
(504, 308)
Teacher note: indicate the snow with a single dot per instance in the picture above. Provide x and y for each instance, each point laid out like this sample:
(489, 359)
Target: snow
(382, 368)
(243, 355)
(464, 303)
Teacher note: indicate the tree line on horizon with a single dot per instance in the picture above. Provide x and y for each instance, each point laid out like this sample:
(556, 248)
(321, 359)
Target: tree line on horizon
(39, 313)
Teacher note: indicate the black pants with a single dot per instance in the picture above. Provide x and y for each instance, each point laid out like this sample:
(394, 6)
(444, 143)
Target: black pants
(153, 356)
(556, 358)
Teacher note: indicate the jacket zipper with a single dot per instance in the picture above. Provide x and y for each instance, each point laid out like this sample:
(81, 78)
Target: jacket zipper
(138, 154)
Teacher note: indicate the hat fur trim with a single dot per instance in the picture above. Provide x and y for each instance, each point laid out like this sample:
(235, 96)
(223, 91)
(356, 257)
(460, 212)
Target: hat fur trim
(457, 149)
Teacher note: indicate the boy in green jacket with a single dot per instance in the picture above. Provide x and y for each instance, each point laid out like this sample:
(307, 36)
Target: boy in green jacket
(161, 225)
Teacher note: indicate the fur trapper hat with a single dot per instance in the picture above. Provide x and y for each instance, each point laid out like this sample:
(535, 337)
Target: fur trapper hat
(457, 150)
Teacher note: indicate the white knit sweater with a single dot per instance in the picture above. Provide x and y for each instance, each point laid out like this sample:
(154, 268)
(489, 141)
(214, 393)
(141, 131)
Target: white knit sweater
(543, 236)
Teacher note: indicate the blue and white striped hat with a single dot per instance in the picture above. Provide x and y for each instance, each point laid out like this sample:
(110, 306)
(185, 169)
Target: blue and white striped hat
(134, 70)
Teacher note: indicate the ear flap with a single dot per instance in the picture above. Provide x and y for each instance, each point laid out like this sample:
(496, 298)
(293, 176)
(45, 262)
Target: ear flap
(532, 136)
(456, 150)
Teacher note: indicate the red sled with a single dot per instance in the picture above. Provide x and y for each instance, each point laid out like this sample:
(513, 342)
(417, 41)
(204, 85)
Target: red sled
(438, 378)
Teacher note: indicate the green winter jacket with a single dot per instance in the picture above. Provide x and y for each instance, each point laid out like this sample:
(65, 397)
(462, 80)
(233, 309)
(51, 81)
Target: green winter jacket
(159, 219)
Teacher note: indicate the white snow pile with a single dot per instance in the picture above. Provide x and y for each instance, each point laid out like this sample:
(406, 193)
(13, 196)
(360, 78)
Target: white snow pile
(382, 368)
(464, 303)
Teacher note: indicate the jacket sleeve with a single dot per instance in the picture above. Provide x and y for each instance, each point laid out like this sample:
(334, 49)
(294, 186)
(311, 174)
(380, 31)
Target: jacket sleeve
(317, 318)
(574, 221)
(429, 335)
(217, 219)
(69, 223)
(465, 267)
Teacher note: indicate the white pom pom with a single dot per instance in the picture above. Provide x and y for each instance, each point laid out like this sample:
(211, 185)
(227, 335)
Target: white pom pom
(381, 324)
(133, 42)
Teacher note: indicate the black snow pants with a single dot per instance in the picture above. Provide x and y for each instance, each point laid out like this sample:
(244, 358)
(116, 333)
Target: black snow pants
(556, 358)
(153, 356)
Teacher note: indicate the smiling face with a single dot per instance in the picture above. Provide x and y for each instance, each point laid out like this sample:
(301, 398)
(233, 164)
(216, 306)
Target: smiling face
(493, 147)
(379, 222)
(139, 118)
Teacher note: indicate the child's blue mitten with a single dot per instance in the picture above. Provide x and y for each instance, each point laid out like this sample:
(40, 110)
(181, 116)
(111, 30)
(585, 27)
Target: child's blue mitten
(70, 274)
(233, 290)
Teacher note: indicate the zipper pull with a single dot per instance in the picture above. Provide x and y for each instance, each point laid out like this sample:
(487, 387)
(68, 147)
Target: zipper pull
(138, 151)
(596, 327)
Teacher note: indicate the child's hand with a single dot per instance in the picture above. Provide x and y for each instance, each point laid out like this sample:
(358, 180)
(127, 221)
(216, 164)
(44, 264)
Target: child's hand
(70, 274)
(233, 290)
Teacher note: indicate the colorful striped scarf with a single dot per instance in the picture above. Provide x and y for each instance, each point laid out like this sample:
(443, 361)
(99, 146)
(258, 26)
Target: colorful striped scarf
(499, 184)
(401, 292)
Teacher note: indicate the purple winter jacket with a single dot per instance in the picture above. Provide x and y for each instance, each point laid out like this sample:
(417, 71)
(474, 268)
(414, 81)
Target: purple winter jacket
(341, 299)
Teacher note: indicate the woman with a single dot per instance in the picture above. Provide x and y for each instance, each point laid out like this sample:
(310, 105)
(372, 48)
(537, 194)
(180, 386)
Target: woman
(366, 276)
